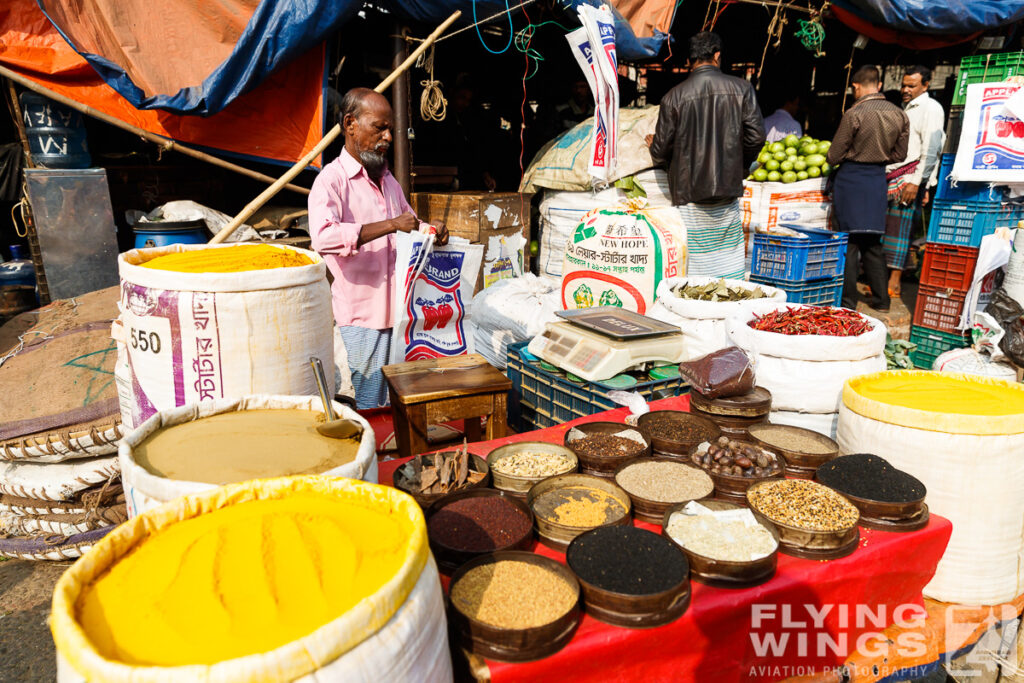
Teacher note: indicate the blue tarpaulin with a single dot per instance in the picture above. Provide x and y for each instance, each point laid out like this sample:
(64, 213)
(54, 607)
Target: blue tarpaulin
(125, 41)
(934, 17)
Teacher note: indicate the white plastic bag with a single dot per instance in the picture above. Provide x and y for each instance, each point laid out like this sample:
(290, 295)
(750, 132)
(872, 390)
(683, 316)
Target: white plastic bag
(433, 306)
(512, 311)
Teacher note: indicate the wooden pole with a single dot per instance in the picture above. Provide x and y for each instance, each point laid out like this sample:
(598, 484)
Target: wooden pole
(400, 106)
(333, 133)
(164, 143)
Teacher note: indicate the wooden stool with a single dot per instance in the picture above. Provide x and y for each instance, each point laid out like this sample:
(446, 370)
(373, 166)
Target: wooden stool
(438, 390)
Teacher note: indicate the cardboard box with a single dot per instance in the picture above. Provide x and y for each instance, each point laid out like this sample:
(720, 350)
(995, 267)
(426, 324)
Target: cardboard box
(479, 217)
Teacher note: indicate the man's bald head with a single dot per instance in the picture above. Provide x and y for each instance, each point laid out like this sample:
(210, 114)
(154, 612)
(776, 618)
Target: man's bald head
(366, 120)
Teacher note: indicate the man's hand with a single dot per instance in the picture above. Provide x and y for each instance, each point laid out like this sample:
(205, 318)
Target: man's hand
(927, 198)
(405, 223)
(909, 193)
(649, 138)
(441, 238)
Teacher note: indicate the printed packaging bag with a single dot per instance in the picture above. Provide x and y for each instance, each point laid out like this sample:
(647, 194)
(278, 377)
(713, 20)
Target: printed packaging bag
(991, 147)
(433, 293)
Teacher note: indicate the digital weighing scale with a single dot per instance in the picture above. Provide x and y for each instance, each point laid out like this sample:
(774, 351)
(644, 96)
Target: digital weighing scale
(599, 343)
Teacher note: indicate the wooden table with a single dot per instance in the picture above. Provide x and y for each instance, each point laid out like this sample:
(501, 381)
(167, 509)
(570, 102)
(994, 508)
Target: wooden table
(439, 390)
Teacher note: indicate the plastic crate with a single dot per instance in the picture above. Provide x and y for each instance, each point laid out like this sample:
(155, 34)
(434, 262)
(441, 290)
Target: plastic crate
(990, 68)
(819, 256)
(953, 128)
(965, 223)
(543, 399)
(948, 266)
(818, 293)
(932, 344)
(939, 308)
(964, 192)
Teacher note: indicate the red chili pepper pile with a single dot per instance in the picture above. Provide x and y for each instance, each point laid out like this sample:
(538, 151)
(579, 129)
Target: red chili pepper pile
(822, 320)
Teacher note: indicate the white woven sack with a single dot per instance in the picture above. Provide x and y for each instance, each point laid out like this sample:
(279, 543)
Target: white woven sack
(972, 362)
(823, 423)
(654, 182)
(187, 337)
(56, 481)
(511, 311)
(560, 213)
(703, 322)
(803, 386)
(802, 347)
(803, 204)
(972, 480)
(76, 445)
(144, 490)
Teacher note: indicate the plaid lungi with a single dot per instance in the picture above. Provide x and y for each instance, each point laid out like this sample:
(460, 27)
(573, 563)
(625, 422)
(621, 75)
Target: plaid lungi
(368, 351)
(900, 218)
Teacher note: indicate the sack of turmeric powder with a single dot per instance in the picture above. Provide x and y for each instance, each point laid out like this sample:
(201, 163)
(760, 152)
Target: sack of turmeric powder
(60, 399)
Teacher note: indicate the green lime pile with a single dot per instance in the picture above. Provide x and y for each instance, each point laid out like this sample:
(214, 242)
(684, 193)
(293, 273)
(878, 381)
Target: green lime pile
(792, 159)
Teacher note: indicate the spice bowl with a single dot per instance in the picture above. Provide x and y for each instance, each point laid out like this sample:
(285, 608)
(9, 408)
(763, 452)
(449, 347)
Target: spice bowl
(808, 543)
(727, 573)
(632, 610)
(653, 511)
(881, 516)
(733, 488)
(515, 644)
(496, 506)
(603, 466)
(903, 507)
(787, 441)
(575, 491)
(664, 429)
(405, 476)
(519, 485)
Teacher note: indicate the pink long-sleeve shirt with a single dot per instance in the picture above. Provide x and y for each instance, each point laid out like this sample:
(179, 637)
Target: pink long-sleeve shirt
(342, 200)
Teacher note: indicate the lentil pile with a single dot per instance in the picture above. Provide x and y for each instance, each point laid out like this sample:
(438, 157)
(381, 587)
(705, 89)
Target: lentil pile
(728, 535)
(533, 464)
(624, 559)
(664, 482)
(579, 506)
(804, 504)
(792, 439)
(606, 446)
(677, 429)
(736, 458)
(871, 477)
(512, 594)
(478, 524)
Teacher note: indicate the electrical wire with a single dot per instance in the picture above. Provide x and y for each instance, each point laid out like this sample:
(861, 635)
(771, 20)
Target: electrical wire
(479, 35)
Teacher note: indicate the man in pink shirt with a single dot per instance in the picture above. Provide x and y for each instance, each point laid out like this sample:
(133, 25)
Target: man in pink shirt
(355, 208)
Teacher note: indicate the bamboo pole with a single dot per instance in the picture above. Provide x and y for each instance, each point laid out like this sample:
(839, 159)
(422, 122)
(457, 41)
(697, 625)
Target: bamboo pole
(162, 142)
(333, 133)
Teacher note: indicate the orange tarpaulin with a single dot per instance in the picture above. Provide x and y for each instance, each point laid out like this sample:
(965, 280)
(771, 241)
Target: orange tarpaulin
(280, 120)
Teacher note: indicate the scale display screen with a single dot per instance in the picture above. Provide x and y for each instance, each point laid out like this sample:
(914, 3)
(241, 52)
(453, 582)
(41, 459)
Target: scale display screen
(617, 323)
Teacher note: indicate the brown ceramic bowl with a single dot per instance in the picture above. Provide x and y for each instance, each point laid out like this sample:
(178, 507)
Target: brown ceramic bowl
(811, 543)
(799, 465)
(653, 511)
(733, 488)
(519, 485)
(675, 447)
(604, 466)
(402, 477)
(727, 573)
(450, 558)
(634, 611)
(515, 645)
(558, 536)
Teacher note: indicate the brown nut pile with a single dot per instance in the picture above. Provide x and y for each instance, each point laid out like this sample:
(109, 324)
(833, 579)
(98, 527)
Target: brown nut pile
(736, 458)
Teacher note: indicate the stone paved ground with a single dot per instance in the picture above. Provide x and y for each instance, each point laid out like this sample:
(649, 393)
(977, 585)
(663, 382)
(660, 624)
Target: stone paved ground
(26, 648)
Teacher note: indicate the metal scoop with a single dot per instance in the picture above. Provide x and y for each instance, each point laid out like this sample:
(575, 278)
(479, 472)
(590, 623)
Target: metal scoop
(334, 427)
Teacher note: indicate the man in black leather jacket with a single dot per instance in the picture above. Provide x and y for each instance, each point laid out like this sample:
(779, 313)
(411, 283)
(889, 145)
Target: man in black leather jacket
(709, 132)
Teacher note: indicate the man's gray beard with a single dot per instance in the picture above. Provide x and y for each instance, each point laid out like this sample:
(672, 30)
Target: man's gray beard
(375, 164)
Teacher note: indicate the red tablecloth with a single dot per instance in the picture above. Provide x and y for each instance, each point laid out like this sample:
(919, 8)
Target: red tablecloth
(816, 611)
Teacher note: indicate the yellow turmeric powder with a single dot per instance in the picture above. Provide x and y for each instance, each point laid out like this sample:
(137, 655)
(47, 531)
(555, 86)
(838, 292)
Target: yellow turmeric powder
(229, 259)
(942, 393)
(241, 580)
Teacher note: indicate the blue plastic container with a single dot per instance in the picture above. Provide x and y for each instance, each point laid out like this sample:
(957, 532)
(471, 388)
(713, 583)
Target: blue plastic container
(965, 223)
(964, 192)
(817, 293)
(19, 271)
(56, 134)
(162, 233)
(821, 255)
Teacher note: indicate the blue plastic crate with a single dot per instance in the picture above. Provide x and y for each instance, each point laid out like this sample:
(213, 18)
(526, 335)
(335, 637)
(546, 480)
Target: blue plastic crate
(818, 293)
(965, 223)
(964, 192)
(543, 399)
(821, 255)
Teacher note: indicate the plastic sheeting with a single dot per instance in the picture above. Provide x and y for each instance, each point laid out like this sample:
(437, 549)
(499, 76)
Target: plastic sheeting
(927, 16)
